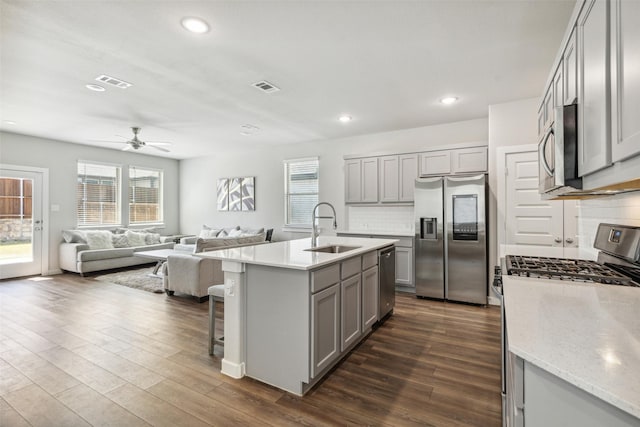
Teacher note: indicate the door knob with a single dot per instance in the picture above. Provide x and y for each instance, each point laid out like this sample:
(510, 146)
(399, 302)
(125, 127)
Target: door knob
(557, 240)
(569, 240)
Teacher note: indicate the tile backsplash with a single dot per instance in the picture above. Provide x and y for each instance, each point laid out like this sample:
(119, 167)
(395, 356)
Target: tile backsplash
(621, 209)
(380, 218)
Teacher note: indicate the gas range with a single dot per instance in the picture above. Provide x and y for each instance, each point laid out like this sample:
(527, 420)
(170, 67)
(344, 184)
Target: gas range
(618, 260)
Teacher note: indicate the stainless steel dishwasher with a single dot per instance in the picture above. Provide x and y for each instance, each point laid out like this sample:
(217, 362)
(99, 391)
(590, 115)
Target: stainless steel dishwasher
(387, 275)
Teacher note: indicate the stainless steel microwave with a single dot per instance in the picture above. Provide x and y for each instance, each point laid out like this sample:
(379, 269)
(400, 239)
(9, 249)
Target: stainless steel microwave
(558, 154)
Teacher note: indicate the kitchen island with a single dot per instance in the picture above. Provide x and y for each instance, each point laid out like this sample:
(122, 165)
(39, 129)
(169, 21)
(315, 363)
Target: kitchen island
(291, 314)
(578, 347)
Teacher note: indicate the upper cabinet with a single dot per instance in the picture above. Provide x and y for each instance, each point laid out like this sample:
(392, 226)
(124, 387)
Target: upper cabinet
(390, 179)
(570, 70)
(469, 160)
(594, 148)
(435, 163)
(397, 176)
(625, 79)
(451, 162)
(361, 180)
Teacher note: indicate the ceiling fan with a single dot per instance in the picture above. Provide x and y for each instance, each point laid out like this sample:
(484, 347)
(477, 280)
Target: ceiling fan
(135, 143)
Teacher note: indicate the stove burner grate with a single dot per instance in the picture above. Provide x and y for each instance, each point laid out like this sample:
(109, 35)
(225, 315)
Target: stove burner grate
(564, 269)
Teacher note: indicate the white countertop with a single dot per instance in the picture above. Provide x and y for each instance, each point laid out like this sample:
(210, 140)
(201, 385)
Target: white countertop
(587, 334)
(292, 254)
(402, 233)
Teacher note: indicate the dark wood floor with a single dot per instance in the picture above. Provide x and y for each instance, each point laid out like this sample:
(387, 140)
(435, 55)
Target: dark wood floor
(75, 351)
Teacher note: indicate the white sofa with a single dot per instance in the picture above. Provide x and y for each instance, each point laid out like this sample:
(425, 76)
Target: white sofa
(85, 251)
(192, 275)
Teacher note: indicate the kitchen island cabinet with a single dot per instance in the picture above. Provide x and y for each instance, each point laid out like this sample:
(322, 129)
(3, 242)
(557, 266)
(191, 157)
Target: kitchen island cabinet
(292, 314)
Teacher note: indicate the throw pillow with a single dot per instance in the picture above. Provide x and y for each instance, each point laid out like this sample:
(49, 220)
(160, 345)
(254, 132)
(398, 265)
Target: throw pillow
(235, 233)
(99, 239)
(74, 236)
(208, 232)
(152, 238)
(251, 231)
(120, 241)
(135, 239)
(225, 231)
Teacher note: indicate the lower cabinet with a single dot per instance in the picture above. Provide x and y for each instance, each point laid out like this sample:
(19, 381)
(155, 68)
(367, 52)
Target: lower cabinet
(369, 298)
(325, 334)
(404, 266)
(351, 310)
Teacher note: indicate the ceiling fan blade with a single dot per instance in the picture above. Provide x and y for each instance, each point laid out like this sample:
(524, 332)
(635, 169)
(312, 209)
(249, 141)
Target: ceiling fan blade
(123, 137)
(158, 148)
(104, 140)
(127, 147)
(157, 143)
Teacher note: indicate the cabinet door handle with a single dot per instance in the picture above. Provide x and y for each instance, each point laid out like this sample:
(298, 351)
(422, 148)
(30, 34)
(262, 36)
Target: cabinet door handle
(557, 240)
(569, 240)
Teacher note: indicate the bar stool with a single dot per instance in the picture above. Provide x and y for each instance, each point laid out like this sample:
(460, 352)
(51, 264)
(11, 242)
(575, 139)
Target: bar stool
(216, 293)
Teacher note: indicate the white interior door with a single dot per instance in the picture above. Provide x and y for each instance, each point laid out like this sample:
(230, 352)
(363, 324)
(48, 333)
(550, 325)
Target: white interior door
(21, 236)
(529, 220)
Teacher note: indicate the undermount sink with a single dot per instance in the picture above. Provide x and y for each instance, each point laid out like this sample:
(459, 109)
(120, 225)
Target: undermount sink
(333, 249)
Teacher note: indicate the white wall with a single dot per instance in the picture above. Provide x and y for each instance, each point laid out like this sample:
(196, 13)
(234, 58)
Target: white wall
(198, 177)
(511, 123)
(621, 209)
(60, 158)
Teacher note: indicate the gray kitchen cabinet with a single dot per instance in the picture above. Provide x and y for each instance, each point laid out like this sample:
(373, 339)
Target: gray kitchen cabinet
(435, 163)
(389, 179)
(541, 118)
(353, 181)
(570, 70)
(408, 175)
(351, 302)
(594, 138)
(404, 266)
(369, 297)
(625, 79)
(325, 332)
(361, 180)
(548, 107)
(467, 160)
(397, 177)
(558, 89)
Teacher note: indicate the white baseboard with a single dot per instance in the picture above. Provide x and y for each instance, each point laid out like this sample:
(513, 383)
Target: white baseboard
(232, 369)
(494, 300)
(54, 272)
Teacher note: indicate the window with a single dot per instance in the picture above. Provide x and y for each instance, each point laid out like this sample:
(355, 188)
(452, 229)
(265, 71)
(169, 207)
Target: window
(145, 196)
(98, 194)
(300, 190)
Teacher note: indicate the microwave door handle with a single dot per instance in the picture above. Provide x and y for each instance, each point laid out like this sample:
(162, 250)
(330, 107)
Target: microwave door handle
(543, 148)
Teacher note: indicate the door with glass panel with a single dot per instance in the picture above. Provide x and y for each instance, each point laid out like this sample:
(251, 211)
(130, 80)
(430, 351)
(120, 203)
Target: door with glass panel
(20, 223)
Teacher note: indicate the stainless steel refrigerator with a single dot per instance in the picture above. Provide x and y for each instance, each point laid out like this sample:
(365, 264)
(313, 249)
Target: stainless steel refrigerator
(451, 242)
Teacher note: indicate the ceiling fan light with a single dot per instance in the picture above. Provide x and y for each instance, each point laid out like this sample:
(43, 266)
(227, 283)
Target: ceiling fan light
(194, 25)
(95, 88)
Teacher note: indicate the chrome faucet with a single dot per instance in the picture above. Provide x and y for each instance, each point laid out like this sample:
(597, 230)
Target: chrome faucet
(314, 233)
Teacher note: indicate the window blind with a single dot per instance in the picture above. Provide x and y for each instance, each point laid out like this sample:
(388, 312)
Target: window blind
(97, 194)
(145, 191)
(301, 190)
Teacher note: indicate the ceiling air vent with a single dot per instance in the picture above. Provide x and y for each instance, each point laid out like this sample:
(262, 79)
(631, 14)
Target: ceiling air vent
(113, 81)
(265, 86)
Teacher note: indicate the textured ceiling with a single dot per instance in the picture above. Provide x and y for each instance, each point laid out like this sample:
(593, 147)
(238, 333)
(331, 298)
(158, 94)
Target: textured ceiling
(386, 63)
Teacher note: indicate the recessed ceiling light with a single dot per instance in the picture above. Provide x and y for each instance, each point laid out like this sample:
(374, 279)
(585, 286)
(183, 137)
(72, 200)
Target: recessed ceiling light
(248, 129)
(449, 100)
(10, 122)
(95, 88)
(195, 25)
(345, 118)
